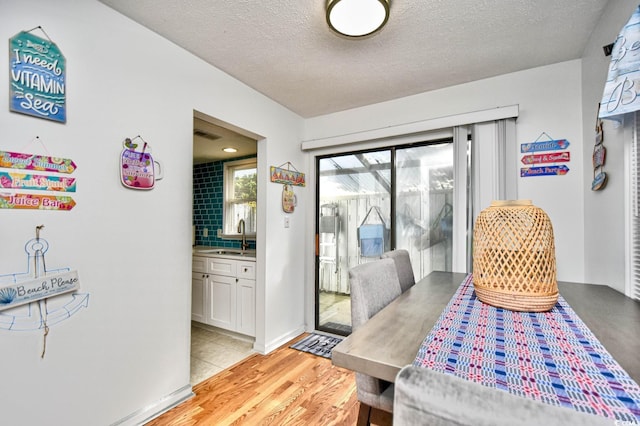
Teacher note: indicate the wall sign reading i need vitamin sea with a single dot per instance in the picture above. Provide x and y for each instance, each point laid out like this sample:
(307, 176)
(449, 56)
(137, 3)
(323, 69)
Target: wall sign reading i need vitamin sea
(37, 77)
(38, 182)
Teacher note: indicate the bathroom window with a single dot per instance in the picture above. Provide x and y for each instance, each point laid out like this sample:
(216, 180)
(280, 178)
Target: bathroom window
(240, 195)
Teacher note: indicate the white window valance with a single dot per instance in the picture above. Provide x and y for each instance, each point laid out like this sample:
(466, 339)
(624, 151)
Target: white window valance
(421, 126)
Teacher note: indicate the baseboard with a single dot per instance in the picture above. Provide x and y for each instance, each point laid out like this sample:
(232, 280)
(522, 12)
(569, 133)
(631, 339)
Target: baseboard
(154, 410)
(276, 343)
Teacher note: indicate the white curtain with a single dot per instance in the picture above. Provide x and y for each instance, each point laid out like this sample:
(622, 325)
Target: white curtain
(490, 174)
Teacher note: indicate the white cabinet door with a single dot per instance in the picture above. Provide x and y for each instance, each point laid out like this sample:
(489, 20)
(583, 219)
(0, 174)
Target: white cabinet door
(247, 270)
(246, 307)
(198, 280)
(224, 293)
(221, 301)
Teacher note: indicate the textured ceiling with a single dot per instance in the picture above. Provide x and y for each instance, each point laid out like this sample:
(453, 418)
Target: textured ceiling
(284, 49)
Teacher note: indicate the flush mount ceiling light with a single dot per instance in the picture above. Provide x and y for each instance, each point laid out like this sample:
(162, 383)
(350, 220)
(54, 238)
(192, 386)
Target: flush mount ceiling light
(229, 149)
(357, 18)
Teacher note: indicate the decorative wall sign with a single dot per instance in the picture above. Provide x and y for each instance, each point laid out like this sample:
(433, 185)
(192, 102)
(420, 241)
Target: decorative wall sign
(57, 310)
(544, 171)
(36, 202)
(17, 160)
(37, 77)
(37, 182)
(39, 285)
(552, 145)
(545, 158)
(289, 199)
(621, 91)
(559, 157)
(599, 181)
(138, 169)
(599, 157)
(37, 289)
(287, 176)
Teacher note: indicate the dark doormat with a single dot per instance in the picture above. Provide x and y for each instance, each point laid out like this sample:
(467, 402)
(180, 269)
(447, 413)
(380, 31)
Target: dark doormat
(317, 344)
(340, 328)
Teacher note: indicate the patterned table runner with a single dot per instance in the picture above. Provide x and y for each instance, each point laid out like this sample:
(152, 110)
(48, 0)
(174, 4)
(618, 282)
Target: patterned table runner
(551, 356)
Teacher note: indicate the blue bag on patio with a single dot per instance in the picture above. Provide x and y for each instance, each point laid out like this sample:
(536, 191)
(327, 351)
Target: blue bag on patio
(372, 238)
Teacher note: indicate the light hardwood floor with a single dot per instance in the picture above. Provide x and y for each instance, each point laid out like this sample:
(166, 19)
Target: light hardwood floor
(285, 387)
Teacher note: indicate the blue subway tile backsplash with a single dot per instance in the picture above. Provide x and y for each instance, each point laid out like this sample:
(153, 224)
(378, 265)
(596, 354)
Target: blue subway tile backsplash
(208, 201)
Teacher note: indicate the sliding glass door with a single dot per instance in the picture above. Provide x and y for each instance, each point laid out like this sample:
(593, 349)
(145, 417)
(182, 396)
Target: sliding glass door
(354, 199)
(424, 206)
(374, 201)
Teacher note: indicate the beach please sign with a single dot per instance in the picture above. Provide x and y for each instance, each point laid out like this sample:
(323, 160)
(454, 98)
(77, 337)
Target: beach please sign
(37, 77)
(39, 288)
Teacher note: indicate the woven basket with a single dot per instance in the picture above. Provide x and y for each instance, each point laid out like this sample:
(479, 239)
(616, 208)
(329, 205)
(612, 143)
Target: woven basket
(514, 260)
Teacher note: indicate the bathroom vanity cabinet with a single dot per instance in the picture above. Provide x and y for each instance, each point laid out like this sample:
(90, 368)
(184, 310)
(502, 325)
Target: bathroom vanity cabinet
(223, 292)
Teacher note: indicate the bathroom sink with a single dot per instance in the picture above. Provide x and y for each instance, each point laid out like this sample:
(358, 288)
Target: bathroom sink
(223, 251)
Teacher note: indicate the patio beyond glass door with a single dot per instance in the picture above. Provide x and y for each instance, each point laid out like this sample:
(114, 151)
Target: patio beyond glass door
(353, 227)
(371, 202)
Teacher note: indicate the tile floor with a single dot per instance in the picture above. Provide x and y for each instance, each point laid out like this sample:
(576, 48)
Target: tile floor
(212, 352)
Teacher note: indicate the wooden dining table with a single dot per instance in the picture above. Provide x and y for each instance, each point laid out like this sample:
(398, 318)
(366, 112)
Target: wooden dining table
(391, 338)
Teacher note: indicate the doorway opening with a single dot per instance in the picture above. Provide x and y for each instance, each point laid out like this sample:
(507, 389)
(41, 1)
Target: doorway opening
(214, 347)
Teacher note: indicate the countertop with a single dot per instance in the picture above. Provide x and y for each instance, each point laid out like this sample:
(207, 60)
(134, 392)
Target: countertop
(224, 252)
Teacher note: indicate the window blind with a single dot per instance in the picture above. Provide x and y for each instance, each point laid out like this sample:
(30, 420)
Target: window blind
(634, 268)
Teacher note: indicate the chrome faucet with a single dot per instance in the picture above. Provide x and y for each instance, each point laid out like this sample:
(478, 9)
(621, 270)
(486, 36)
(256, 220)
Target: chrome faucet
(245, 244)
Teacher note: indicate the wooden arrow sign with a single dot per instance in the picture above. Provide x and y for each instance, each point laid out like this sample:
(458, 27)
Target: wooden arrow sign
(544, 171)
(37, 202)
(556, 157)
(18, 160)
(553, 145)
(37, 182)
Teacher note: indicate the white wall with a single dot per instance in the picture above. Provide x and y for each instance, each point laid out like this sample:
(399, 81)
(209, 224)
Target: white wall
(280, 250)
(604, 210)
(549, 101)
(130, 347)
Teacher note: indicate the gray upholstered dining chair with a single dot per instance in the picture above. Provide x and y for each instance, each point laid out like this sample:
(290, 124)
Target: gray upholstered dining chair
(403, 267)
(428, 397)
(373, 286)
